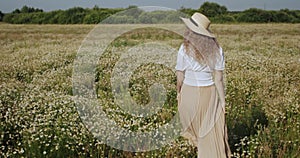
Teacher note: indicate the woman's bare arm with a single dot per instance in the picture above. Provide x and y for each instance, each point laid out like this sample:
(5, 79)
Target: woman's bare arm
(218, 77)
(180, 77)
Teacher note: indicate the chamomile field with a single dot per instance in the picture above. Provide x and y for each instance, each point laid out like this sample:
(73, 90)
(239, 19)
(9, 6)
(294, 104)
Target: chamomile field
(39, 117)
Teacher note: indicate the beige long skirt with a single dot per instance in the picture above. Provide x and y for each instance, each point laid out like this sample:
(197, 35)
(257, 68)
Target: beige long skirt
(203, 121)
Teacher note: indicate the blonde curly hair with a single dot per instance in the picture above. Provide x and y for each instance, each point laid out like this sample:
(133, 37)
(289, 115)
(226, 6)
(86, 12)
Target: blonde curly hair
(205, 50)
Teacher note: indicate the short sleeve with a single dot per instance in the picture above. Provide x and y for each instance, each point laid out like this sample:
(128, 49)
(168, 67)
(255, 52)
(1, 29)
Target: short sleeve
(181, 64)
(220, 64)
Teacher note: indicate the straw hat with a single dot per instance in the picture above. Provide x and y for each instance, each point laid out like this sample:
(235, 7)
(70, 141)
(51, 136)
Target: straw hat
(198, 23)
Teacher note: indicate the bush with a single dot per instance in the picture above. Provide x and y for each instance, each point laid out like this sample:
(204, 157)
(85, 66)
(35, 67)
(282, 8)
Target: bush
(211, 9)
(283, 17)
(254, 15)
(223, 19)
(1, 16)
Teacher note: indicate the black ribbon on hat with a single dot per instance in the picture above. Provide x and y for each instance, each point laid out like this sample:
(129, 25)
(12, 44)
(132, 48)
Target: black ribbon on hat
(193, 21)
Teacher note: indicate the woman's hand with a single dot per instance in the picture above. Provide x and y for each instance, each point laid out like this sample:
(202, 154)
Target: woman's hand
(223, 103)
(178, 96)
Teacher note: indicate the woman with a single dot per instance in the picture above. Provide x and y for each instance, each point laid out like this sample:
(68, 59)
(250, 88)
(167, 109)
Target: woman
(200, 89)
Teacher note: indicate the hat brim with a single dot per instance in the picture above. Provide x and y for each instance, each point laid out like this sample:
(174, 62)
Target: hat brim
(197, 29)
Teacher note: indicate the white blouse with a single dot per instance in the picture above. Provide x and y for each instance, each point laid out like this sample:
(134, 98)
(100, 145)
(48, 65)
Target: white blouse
(197, 74)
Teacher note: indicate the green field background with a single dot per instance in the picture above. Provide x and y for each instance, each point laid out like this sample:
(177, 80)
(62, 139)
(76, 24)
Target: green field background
(39, 117)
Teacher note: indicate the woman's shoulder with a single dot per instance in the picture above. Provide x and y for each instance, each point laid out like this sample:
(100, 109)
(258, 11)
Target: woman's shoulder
(181, 46)
(221, 51)
(181, 49)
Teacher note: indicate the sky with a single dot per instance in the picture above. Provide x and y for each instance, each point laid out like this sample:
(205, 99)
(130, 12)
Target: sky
(7, 6)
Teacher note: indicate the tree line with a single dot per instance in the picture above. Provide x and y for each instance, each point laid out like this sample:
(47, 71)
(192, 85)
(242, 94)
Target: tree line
(133, 14)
